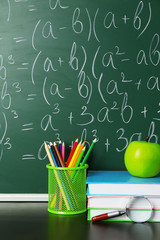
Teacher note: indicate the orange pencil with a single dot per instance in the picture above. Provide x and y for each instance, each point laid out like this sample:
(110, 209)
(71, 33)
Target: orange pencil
(72, 152)
(77, 155)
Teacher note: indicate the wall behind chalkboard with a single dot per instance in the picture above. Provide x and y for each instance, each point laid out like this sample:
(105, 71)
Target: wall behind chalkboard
(75, 68)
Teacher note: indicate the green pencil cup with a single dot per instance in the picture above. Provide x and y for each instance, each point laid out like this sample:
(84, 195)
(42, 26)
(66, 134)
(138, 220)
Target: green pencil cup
(67, 189)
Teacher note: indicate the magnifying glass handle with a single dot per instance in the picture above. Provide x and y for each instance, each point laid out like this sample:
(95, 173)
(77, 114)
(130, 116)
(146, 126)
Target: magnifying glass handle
(107, 215)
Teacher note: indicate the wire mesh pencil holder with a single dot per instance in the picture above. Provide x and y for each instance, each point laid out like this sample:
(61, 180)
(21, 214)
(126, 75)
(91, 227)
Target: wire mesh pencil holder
(67, 189)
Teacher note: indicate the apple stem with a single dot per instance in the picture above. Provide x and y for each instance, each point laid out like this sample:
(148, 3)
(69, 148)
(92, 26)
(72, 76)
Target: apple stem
(147, 138)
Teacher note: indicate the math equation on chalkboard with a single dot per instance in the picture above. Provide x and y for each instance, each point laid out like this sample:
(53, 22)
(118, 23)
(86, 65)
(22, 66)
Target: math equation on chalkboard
(78, 68)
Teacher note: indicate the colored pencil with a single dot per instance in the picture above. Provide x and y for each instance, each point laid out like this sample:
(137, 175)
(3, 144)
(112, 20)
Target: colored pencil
(58, 193)
(78, 153)
(78, 162)
(72, 152)
(63, 151)
(58, 154)
(60, 201)
(63, 183)
(49, 154)
(85, 158)
(55, 155)
(60, 146)
(80, 156)
(88, 152)
(66, 175)
(74, 155)
(54, 160)
(57, 198)
(57, 176)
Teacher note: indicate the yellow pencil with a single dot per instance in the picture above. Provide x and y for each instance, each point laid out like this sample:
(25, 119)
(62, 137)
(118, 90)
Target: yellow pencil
(77, 155)
(74, 155)
(57, 176)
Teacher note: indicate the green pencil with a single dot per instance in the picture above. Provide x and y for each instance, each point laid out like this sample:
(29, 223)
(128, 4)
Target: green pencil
(88, 152)
(85, 158)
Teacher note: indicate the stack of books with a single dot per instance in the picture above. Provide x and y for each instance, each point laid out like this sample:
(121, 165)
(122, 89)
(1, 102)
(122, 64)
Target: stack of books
(108, 191)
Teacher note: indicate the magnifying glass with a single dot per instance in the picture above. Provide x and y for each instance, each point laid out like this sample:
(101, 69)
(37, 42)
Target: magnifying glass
(138, 209)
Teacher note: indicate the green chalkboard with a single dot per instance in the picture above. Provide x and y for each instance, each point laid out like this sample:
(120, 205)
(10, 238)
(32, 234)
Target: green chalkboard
(75, 68)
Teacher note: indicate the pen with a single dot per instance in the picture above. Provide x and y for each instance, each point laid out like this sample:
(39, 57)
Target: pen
(107, 215)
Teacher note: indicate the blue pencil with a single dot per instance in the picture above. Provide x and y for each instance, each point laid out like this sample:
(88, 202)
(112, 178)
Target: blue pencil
(60, 147)
(55, 155)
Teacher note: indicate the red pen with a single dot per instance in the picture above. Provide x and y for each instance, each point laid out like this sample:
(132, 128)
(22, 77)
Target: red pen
(107, 215)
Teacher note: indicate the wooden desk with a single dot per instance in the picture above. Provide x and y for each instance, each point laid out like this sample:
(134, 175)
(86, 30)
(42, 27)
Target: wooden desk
(32, 221)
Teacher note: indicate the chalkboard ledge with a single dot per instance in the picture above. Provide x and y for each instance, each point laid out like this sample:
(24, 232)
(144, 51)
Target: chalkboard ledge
(24, 197)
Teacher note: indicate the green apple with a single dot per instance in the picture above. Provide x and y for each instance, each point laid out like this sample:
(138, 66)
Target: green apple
(142, 159)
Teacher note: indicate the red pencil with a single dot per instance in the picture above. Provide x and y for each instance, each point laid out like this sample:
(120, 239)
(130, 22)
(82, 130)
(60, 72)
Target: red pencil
(72, 151)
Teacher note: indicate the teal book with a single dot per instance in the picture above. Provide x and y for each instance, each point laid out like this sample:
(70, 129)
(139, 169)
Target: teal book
(121, 183)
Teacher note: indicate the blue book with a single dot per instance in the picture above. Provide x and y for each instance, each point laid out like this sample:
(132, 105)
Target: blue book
(121, 183)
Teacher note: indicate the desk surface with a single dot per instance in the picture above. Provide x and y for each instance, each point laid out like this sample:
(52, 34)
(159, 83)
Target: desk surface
(32, 221)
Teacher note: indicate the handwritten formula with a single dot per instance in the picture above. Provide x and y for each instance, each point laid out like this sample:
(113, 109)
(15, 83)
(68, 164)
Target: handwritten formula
(87, 69)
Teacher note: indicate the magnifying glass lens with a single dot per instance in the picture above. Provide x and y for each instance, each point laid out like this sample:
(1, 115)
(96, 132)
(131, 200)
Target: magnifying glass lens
(139, 209)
